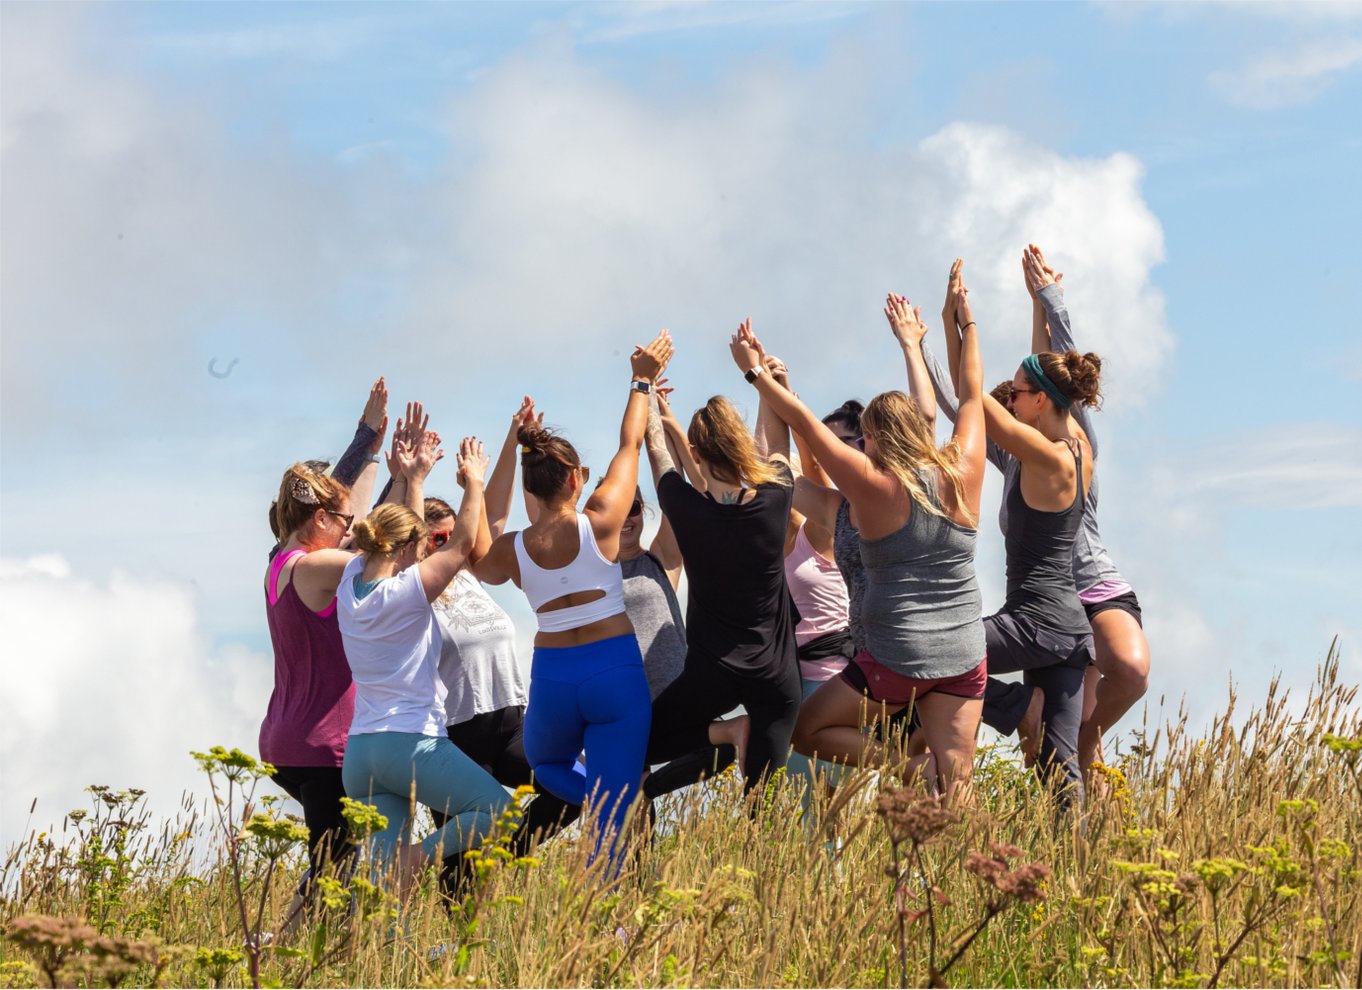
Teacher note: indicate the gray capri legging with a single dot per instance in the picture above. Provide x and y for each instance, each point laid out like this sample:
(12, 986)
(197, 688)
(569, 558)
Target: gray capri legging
(1053, 661)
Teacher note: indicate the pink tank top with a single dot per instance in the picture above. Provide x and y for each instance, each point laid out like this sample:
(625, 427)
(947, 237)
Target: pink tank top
(818, 590)
(309, 714)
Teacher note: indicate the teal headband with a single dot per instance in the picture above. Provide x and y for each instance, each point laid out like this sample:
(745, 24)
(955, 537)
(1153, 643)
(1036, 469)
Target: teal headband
(1031, 365)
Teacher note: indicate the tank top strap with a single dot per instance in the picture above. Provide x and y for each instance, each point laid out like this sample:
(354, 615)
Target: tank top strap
(277, 568)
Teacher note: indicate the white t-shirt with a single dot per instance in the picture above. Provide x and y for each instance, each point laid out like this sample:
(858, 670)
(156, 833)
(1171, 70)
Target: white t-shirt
(477, 654)
(393, 644)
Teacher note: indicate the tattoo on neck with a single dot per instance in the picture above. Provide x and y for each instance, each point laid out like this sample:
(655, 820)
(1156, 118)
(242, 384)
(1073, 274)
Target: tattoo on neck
(730, 498)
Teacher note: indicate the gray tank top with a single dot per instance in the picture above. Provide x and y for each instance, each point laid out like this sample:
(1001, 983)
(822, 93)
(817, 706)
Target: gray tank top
(923, 611)
(650, 602)
(1040, 556)
(846, 552)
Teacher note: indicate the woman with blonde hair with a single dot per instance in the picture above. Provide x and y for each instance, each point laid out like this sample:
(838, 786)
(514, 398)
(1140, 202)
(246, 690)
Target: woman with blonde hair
(916, 507)
(730, 524)
(397, 747)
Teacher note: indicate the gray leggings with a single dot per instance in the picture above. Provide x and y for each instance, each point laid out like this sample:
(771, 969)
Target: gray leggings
(1054, 662)
(380, 769)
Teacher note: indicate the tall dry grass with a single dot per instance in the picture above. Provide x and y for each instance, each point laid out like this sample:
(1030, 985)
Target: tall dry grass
(1229, 859)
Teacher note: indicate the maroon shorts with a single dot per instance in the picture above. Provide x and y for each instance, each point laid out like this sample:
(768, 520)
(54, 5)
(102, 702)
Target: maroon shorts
(878, 683)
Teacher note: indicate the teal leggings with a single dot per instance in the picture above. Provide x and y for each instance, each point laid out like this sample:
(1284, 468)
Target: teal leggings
(380, 769)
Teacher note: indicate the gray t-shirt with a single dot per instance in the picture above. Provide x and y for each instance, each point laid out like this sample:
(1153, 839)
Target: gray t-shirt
(651, 604)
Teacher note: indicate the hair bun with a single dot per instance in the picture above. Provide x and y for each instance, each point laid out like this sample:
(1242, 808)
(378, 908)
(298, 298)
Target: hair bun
(1085, 371)
(533, 439)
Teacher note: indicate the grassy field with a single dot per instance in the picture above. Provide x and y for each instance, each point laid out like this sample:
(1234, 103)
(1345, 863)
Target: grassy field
(1225, 860)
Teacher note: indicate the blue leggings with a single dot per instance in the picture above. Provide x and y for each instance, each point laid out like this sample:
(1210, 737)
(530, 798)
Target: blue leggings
(380, 768)
(593, 697)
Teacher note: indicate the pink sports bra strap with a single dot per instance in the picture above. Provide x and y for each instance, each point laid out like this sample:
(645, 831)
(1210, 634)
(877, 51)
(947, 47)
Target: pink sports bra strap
(276, 568)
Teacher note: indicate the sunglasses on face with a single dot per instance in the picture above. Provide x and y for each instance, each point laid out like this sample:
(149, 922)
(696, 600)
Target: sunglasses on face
(439, 539)
(349, 520)
(636, 507)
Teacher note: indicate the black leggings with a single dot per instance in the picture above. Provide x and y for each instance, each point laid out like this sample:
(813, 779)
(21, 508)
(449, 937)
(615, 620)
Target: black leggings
(707, 689)
(319, 791)
(496, 742)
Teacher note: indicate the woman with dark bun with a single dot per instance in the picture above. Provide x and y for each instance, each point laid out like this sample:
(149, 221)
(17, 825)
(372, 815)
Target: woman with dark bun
(1042, 629)
(587, 686)
(1119, 675)
(486, 688)
(730, 524)
(308, 718)
(397, 746)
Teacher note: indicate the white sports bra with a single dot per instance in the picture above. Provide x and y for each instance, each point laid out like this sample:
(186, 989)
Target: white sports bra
(589, 571)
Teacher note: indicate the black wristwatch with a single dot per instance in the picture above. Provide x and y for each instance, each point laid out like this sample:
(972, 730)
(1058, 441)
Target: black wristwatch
(639, 385)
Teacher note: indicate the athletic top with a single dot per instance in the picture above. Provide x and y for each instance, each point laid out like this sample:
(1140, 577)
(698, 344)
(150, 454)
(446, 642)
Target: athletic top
(477, 652)
(650, 600)
(818, 590)
(1095, 576)
(313, 701)
(739, 612)
(1040, 546)
(923, 612)
(846, 550)
(588, 571)
(393, 644)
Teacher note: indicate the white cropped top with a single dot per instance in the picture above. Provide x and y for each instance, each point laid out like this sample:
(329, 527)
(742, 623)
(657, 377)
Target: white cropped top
(589, 571)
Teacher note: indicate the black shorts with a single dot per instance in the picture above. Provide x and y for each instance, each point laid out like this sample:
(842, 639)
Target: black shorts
(1126, 602)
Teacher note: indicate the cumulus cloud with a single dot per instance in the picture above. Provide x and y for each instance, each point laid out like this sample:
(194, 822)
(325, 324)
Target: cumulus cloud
(112, 683)
(1283, 78)
(590, 213)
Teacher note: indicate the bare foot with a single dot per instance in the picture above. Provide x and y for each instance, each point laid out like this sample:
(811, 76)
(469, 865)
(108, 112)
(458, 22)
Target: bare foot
(733, 732)
(1029, 729)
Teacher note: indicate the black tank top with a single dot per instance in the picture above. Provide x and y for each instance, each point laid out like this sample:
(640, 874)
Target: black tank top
(1040, 553)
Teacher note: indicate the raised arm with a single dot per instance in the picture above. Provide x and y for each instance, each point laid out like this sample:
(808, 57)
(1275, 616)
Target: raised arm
(970, 433)
(905, 321)
(608, 505)
(500, 489)
(678, 444)
(438, 569)
(1059, 337)
(367, 444)
(849, 467)
(773, 435)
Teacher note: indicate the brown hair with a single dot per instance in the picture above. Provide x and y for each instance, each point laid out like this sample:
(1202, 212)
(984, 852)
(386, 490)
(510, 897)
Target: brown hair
(546, 460)
(389, 528)
(301, 493)
(1077, 376)
(905, 444)
(436, 508)
(722, 440)
(1002, 392)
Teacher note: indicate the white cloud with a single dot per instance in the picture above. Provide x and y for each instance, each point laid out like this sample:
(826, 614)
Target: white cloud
(1297, 466)
(593, 214)
(112, 683)
(1291, 77)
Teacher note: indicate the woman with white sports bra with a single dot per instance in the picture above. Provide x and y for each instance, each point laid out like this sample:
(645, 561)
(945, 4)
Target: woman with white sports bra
(587, 686)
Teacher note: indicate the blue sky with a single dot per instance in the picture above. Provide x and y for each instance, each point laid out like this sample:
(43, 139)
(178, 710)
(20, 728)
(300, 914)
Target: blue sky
(484, 200)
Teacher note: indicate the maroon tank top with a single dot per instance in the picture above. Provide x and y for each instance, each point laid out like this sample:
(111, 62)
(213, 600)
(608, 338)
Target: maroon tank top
(309, 714)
